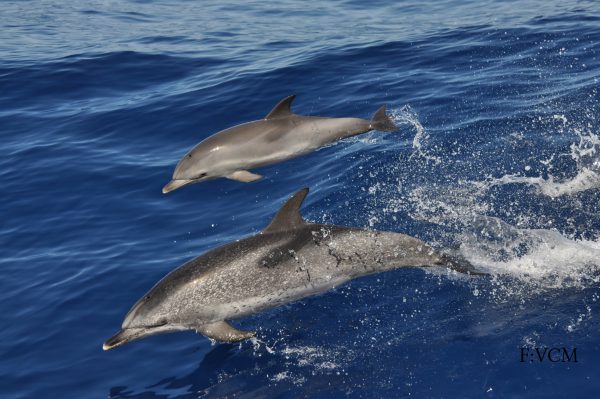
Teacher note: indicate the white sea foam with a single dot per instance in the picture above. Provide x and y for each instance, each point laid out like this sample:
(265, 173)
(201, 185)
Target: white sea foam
(539, 256)
(544, 258)
(585, 179)
(585, 153)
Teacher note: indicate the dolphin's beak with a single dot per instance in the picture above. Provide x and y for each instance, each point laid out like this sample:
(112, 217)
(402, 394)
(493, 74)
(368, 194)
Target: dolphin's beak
(175, 184)
(120, 338)
(132, 333)
(123, 336)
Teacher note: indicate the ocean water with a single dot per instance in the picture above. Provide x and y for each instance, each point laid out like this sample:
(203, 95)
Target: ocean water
(498, 157)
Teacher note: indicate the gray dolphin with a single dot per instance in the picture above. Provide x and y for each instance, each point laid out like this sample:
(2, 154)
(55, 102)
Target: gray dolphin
(290, 259)
(281, 135)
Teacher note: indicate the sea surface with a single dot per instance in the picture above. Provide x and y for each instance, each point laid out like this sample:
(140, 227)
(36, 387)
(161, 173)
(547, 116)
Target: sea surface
(497, 157)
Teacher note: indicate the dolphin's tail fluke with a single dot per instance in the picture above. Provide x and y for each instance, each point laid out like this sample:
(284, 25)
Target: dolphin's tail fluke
(460, 264)
(382, 122)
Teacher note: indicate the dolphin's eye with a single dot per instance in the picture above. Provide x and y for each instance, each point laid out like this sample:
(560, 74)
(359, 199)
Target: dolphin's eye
(189, 155)
(201, 175)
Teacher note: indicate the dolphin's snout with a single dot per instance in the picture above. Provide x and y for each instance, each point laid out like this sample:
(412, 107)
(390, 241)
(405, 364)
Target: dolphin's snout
(114, 341)
(122, 337)
(129, 334)
(175, 184)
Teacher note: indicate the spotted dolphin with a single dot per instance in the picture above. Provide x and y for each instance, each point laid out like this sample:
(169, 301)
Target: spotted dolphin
(290, 259)
(280, 136)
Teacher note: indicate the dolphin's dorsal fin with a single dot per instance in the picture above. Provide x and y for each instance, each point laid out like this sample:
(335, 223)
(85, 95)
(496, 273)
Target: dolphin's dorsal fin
(288, 216)
(282, 109)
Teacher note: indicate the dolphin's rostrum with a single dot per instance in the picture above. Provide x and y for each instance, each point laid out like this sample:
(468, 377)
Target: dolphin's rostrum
(281, 135)
(290, 259)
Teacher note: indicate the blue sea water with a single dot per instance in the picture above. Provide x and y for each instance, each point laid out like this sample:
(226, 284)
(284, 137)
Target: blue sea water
(498, 156)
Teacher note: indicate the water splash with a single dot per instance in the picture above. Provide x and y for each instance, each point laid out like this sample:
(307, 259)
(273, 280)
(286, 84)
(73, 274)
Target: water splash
(585, 153)
(465, 212)
(408, 116)
(542, 258)
(296, 359)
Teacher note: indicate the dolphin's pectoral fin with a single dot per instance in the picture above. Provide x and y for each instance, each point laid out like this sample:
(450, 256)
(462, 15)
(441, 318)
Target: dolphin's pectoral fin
(224, 332)
(244, 176)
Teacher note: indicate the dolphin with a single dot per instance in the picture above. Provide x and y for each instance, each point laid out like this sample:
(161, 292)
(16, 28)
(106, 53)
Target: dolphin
(290, 259)
(280, 136)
